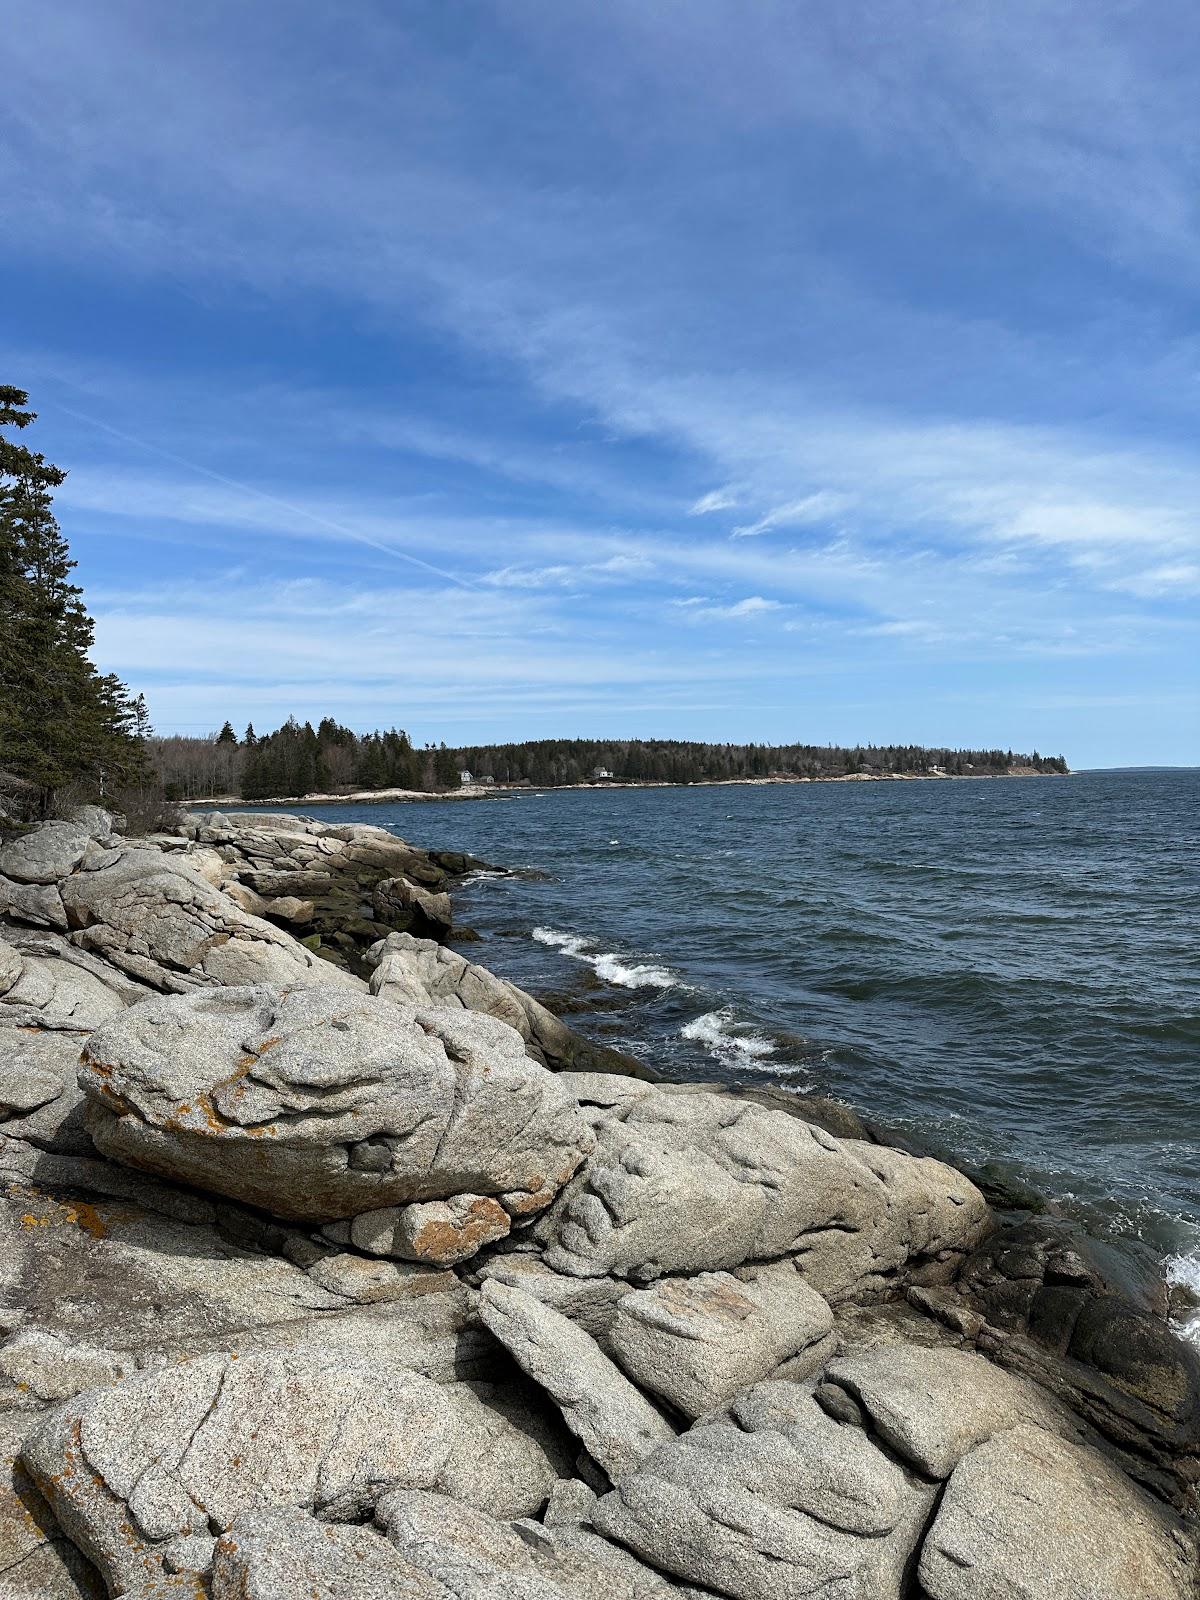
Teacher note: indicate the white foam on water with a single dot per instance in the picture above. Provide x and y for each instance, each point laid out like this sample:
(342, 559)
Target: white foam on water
(606, 964)
(713, 1030)
(1183, 1272)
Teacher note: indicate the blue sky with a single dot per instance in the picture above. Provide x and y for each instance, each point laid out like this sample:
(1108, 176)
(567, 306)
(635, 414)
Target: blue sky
(704, 368)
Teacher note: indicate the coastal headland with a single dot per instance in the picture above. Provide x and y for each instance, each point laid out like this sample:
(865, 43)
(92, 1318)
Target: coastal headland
(333, 1263)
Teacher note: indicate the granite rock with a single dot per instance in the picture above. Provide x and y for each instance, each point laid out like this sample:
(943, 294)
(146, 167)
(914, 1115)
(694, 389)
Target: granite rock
(772, 1500)
(684, 1183)
(316, 1103)
(1030, 1515)
(614, 1421)
(698, 1341)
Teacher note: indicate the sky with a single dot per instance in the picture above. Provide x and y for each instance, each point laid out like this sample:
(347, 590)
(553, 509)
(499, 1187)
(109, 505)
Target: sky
(718, 369)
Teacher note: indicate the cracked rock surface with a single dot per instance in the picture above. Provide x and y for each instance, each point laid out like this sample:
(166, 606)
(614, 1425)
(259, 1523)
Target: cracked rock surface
(695, 1182)
(698, 1341)
(316, 1103)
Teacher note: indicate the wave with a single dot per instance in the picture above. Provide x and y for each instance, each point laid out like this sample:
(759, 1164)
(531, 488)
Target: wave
(607, 964)
(714, 1030)
(1183, 1272)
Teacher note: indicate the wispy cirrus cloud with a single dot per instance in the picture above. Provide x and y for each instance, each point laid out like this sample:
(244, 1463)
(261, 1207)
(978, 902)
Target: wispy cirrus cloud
(811, 509)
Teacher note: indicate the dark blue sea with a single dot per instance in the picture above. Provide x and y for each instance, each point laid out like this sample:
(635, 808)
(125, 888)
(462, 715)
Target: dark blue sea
(1008, 970)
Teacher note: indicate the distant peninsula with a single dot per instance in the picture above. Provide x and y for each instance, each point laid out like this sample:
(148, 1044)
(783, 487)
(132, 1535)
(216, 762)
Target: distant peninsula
(330, 762)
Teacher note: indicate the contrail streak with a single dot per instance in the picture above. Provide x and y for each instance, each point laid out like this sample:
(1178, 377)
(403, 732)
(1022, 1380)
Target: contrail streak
(269, 499)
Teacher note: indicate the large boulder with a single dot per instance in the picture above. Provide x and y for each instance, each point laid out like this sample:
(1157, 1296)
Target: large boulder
(698, 1341)
(773, 1500)
(413, 971)
(694, 1182)
(316, 1103)
(47, 853)
(401, 904)
(616, 1424)
(1028, 1514)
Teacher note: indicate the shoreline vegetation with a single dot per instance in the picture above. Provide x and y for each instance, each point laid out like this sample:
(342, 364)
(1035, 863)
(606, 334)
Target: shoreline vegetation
(300, 762)
(477, 791)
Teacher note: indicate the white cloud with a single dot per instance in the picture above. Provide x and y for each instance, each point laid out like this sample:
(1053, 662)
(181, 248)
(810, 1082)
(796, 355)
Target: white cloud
(755, 605)
(714, 500)
(812, 508)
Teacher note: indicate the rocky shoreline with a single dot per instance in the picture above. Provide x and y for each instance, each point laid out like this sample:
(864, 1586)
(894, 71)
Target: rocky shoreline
(332, 1264)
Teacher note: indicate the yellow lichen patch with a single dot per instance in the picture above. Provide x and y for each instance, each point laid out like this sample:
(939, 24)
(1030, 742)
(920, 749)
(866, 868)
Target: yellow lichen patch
(88, 1218)
(81, 1214)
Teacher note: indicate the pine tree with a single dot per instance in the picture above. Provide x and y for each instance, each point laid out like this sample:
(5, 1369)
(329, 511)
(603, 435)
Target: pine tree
(142, 727)
(227, 735)
(61, 722)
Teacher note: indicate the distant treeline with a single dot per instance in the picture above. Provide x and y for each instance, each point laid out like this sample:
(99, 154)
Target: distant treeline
(299, 759)
(547, 762)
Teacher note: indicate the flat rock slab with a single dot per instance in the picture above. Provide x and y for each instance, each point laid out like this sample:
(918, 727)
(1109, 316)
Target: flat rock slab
(698, 1341)
(934, 1406)
(1029, 1515)
(108, 1272)
(772, 1501)
(614, 1420)
(132, 1469)
(694, 1182)
(318, 1103)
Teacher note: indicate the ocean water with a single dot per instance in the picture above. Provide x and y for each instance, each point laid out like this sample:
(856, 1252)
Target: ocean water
(1008, 970)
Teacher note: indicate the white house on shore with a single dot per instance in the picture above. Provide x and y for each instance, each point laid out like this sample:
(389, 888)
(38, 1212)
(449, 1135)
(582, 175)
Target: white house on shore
(465, 777)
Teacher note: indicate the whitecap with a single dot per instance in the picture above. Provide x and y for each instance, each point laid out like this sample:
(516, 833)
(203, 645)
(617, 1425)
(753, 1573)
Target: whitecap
(713, 1030)
(607, 964)
(1183, 1272)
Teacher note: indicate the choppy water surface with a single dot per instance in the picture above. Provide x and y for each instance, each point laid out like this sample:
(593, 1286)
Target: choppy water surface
(1010, 969)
